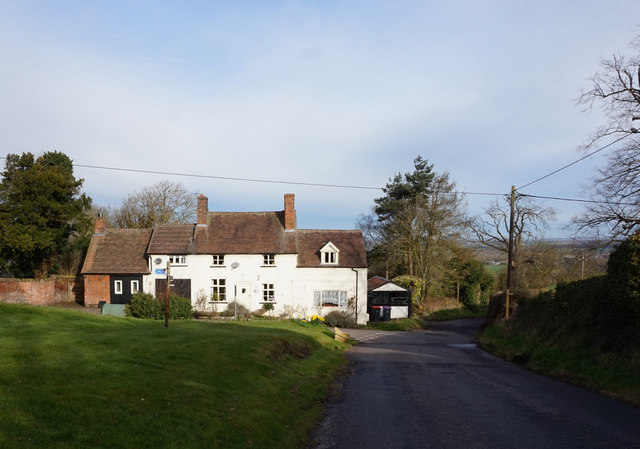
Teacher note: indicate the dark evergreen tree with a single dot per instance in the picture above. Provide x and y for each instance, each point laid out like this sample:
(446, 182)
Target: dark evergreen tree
(42, 213)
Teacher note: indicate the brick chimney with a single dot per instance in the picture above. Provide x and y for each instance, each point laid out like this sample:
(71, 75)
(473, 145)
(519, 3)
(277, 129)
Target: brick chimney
(203, 210)
(289, 212)
(99, 225)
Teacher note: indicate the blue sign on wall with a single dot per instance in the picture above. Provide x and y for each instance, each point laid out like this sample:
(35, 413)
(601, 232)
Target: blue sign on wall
(161, 271)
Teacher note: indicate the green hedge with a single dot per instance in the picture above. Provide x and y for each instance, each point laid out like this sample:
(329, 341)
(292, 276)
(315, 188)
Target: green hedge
(145, 305)
(601, 311)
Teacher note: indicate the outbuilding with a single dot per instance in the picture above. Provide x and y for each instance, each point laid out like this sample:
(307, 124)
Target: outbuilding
(387, 300)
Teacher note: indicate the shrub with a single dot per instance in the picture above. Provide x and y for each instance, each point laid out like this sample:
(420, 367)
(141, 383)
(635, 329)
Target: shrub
(243, 312)
(339, 319)
(146, 306)
(179, 308)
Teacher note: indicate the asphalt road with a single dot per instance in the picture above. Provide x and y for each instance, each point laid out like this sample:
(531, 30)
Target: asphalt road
(435, 389)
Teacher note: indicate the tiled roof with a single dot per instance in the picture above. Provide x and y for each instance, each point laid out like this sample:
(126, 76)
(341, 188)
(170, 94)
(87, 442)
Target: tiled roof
(124, 250)
(378, 281)
(244, 233)
(118, 251)
(375, 282)
(171, 239)
(350, 244)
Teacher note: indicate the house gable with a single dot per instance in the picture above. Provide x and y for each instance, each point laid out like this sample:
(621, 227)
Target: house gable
(329, 254)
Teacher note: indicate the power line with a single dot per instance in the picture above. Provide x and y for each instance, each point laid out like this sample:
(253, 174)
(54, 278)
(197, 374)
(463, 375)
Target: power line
(229, 178)
(573, 163)
(577, 200)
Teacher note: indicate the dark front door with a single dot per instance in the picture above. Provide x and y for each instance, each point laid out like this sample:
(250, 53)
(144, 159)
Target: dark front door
(123, 286)
(180, 287)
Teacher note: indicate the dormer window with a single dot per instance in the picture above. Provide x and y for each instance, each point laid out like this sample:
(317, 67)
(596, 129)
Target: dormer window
(330, 257)
(329, 254)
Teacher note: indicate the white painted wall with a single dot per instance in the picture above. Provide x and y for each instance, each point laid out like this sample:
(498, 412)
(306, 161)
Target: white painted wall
(396, 311)
(294, 286)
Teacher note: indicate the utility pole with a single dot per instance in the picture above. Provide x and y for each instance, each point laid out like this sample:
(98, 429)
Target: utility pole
(510, 258)
(166, 295)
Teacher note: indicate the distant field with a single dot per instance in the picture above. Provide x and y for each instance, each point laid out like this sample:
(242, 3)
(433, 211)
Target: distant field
(74, 380)
(495, 269)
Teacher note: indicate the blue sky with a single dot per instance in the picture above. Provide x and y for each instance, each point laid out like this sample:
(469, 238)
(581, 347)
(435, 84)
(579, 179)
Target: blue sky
(335, 92)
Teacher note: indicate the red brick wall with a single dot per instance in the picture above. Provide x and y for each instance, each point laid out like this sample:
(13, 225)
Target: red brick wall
(96, 289)
(41, 292)
(202, 210)
(289, 211)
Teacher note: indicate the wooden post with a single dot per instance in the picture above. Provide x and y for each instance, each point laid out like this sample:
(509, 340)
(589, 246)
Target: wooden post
(510, 257)
(166, 296)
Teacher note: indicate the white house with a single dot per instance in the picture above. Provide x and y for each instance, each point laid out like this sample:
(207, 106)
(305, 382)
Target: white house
(254, 258)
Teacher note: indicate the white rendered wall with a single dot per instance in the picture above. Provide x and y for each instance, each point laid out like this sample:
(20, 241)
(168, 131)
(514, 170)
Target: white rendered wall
(396, 311)
(294, 286)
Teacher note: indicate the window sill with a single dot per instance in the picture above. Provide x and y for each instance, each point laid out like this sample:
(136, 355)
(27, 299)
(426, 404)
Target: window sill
(217, 266)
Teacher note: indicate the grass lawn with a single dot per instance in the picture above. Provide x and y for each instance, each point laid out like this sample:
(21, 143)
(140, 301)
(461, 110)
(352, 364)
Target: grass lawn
(403, 324)
(74, 380)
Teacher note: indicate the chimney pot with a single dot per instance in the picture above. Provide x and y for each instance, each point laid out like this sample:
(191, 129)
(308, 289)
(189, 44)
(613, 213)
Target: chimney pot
(99, 225)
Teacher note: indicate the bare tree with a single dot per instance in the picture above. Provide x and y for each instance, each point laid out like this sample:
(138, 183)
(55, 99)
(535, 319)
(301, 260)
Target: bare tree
(162, 202)
(615, 189)
(530, 219)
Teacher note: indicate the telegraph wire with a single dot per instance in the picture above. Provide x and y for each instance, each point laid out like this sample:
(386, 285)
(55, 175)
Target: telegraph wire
(229, 178)
(576, 200)
(573, 163)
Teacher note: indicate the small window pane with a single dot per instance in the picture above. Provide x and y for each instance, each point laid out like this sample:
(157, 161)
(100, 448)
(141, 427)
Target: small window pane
(218, 290)
(268, 292)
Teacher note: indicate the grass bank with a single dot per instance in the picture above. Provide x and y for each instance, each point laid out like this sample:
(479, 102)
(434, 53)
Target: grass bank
(582, 365)
(457, 313)
(74, 380)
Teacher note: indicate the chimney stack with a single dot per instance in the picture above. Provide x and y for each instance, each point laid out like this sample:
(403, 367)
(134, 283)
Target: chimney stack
(99, 225)
(203, 210)
(289, 212)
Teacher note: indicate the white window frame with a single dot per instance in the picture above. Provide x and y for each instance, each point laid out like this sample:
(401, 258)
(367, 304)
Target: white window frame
(178, 260)
(268, 292)
(321, 297)
(217, 260)
(329, 254)
(135, 286)
(268, 260)
(329, 258)
(219, 286)
(117, 287)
